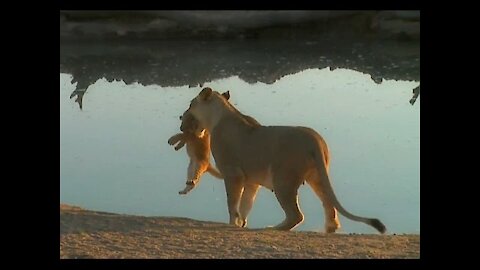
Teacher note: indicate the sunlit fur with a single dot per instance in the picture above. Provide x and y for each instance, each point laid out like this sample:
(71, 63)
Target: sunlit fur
(197, 140)
(279, 158)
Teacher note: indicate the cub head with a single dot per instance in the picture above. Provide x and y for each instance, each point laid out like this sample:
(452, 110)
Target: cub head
(190, 124)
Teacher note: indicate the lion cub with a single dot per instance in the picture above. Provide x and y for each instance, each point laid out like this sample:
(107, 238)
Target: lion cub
(197, 140)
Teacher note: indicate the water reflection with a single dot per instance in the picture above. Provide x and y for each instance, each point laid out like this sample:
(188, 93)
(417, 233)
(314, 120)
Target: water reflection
(115, 157)
(193, 62)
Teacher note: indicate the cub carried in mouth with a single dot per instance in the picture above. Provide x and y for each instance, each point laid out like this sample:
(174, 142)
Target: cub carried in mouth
(197, 140)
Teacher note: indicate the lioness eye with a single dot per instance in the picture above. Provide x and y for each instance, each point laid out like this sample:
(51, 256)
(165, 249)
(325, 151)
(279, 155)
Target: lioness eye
(180, 117)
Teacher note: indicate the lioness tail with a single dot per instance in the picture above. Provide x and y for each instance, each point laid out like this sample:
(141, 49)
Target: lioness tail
(328, 189)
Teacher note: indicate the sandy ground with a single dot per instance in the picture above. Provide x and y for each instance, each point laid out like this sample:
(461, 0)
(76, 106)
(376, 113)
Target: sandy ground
(90, 234)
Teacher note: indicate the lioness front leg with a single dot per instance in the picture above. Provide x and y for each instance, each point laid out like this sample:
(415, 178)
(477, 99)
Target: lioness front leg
(248, 198)
(234, 189)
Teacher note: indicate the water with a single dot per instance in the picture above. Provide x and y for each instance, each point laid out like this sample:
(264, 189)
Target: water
(114, 154)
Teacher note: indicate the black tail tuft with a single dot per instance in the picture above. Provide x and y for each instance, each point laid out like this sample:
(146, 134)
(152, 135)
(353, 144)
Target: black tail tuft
(377, 224)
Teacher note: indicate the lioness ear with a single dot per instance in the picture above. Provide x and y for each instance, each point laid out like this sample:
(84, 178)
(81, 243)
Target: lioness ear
(226, 95)
(206, 93)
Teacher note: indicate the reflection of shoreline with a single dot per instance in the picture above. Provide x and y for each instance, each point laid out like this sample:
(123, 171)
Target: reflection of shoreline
(179, 63)
(78, 95)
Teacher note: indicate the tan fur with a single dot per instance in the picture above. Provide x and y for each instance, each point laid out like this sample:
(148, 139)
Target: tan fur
(276, 157)
(197, 140)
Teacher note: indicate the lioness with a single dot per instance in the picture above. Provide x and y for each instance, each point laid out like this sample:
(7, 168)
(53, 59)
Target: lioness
(276, 157)
(197, 140)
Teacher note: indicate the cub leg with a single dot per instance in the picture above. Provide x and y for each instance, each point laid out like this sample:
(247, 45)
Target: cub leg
(195, 171)
(190, 174)
(175, 138)
(180, 137)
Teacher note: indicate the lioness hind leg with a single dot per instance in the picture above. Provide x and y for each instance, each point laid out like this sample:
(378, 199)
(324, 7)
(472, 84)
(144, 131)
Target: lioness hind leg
(332, 224)
(331, 217)
(288, 198)
(246, 203)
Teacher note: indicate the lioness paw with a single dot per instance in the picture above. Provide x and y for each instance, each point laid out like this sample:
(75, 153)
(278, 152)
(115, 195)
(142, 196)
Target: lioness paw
(244, 223)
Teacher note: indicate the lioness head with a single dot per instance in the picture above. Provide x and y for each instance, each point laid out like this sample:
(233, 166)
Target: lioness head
(206, 107)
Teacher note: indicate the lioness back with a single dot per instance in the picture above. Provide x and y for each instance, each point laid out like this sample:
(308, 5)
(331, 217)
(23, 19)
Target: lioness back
(266, 144)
